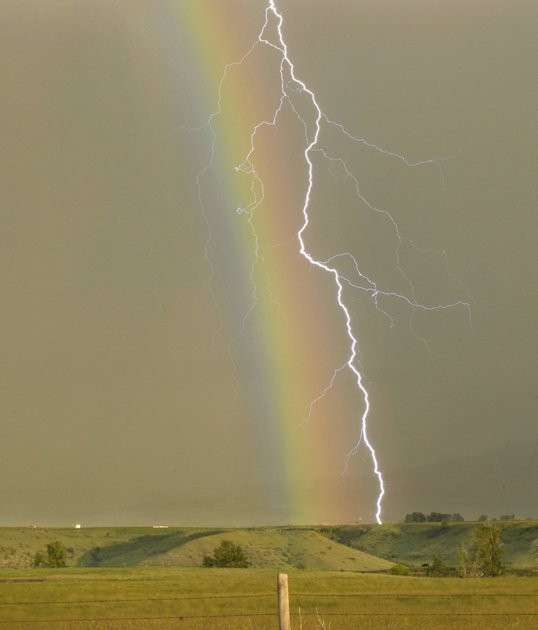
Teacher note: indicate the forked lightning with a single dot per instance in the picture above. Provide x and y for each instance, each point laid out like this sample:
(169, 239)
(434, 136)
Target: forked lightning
(290, 86)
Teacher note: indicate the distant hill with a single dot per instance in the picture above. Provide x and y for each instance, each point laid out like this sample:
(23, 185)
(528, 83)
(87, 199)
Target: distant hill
(303, 548)
(418, 543)
(278, 547)
(331, 548)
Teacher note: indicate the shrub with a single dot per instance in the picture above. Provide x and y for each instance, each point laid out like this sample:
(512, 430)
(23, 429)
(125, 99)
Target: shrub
(227, 554)
(56, 556)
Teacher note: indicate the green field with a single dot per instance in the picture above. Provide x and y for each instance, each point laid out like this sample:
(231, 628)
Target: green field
(195, 598)
(339, 578)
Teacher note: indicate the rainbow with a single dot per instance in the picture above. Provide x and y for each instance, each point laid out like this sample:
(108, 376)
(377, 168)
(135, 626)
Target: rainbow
(284, 355)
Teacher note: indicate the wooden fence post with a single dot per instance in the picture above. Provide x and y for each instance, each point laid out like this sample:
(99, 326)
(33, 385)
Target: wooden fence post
(283, 602)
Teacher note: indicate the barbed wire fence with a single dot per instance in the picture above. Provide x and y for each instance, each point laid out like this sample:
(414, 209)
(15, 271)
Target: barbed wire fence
(287, 607)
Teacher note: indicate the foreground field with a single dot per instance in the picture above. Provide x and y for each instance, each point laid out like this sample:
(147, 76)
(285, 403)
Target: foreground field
(147, 597)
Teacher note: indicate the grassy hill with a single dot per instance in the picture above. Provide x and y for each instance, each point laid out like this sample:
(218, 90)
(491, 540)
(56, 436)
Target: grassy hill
(278, 547)
(108, 547)
(417, 543)
(342, 548)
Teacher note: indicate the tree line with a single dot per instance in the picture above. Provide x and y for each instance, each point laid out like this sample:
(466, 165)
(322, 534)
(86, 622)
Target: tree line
(456, 517)
(433, 517)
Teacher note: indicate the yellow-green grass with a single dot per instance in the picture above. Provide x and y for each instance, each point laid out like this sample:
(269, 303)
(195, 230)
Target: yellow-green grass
(195, 598)
(417, 543)
(114, 546)
(265, 547)
(350, 548)
(277, 548)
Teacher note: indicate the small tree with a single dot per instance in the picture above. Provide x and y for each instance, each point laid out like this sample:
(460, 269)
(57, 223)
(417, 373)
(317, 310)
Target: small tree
(463, 561)
(488, 541)
(437, 568)
(483, 558)
(227, 554)
(39, 559)
(56, 556)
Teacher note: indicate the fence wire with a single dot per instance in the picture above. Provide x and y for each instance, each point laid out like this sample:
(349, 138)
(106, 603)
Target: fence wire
(409, 613)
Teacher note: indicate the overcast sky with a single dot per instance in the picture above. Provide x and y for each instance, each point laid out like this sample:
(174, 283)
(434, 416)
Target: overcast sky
(133, 388)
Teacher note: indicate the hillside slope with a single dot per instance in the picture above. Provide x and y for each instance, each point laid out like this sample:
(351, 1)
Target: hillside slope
(418, 543)
(339, 548)
(303, 548)
(278, 548)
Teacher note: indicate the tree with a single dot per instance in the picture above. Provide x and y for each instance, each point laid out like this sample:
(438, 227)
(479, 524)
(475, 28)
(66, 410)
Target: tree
(56, 556)
(39, 559)
(482, 518)
(415, 517)
(438, 517)
(483, 557)
(488, 541)
(437, 568)
(463, 561)
(433, 517)
(227, 554)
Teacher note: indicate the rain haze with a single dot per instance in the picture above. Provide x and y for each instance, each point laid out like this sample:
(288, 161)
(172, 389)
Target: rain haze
(163, 339)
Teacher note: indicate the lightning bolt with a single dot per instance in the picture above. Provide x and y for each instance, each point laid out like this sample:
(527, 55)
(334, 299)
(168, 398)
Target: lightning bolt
(290, 87)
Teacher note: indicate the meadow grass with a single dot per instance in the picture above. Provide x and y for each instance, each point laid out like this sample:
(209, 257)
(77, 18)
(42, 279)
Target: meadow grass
(417, 543)
(195, 598)
(277, 547)
(348, 548)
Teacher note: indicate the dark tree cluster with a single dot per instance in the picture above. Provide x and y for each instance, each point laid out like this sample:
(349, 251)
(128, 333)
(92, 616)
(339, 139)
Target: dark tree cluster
(56, 556)
(433, 517)
(507, 517)
(227, 554)
(438, 568)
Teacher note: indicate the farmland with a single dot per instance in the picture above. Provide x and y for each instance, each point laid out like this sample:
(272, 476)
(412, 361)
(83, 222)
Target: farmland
(194, 598)
(339, 578)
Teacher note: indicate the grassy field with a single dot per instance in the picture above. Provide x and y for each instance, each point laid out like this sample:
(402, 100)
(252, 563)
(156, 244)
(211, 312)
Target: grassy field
(195, 598)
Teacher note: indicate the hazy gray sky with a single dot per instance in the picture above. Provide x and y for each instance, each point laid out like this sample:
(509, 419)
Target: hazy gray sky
(124, 399)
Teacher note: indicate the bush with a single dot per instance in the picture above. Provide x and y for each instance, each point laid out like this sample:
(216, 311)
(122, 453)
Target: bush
(39, 559)
(56, 556)
(437, 568)
(399, 569)
(227, 554)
